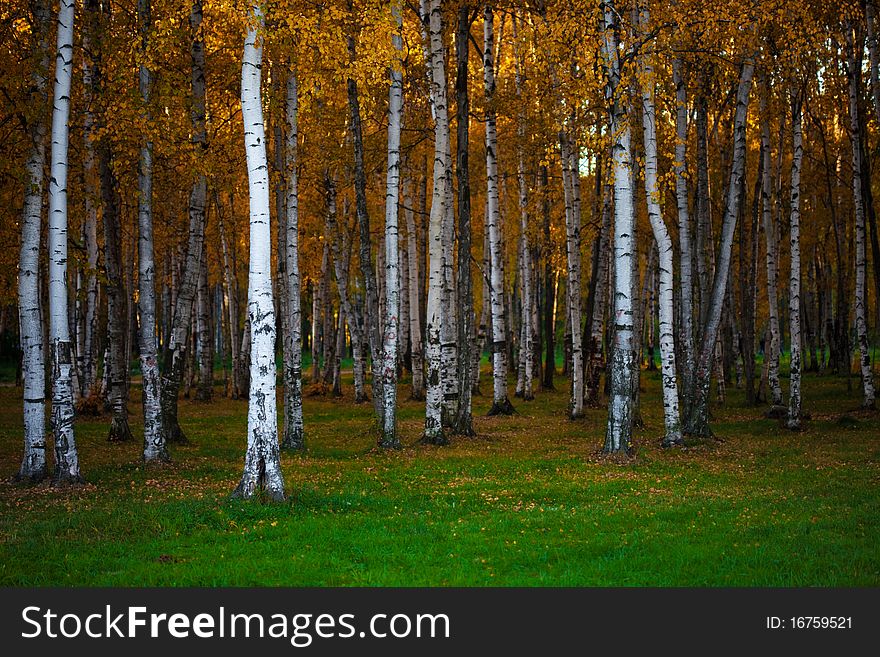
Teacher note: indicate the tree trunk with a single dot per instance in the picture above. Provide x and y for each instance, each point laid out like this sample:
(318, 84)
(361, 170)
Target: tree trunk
(174, 358)
(549, 289)
(392, 260)
(794, 281)
(262, 466)
(365, 252)
(854, 67)
(292, 437)
(415, 319)
(463, 421)
(436, 313)
(770, 239)
(500, 403)
(698, 420)
(664, 245)
(205, 390)
(33, 368)
(155, 449)
(66, 455)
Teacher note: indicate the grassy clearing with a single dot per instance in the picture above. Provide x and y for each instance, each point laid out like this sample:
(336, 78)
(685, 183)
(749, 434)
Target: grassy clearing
(528, 502)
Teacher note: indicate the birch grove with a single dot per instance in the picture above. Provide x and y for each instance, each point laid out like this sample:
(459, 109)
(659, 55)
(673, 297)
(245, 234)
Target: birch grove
(520, 242)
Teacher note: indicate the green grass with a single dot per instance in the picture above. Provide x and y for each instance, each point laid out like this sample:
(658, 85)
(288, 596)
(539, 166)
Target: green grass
(528, 502)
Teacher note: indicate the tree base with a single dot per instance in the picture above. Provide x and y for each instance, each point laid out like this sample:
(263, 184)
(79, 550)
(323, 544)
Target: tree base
(30, 478)
(441, 440)
(776, 412)
(417, 395)
(248, 490)
(64, 479)
(464, 426)
(119, 431)
(672, 441)
(174, 434)
(389, 442)
(501, 408)
(528, 396)
(296, 444)
(160, 459)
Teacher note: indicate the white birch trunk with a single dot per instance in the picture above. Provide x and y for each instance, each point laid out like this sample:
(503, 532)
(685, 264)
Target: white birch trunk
(773, 350)
(436, 313)
(66, 456)
(794, 281)
(500, 403)
(664, 245)
(392, 261)
(854, 71)
(262, 466)
(33, 367)
(618, 437)
(293, 437)
(155, 449)
(573, 289)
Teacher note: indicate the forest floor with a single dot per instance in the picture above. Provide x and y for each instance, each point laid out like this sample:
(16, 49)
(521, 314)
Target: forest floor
(528, 502)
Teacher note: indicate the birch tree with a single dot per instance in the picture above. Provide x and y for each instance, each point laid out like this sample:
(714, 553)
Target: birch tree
(463, 421)
(573, 288)
(174, 357)
(618, 437)
(854, 68)
(66, 456)
(33, 368)
(293, 436)
(436, 313)
(262, 466)
(686, 287)
(794, 281)
(413, 289)
(154, 437)
(664, 245)
(500, 403)
(772, 354)
(392, 261)
(698, 418)
(526, 346)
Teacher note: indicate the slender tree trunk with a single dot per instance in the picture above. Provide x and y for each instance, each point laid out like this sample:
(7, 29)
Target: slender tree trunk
(436, 313)
(155, 449)
(549, 289)
(205, 390)
(686, 288)
(794, 281)
(232, 301)
(854, 68)
(573, 284)
(33, 368)
(772, 353)
(500, 403)
(664, 245)
(463, 421)
(415, 324)
(365, 253)
(174, 358)
(262, 466)
(66, 455)
(293, 436)
(392, 260)
(698, 421)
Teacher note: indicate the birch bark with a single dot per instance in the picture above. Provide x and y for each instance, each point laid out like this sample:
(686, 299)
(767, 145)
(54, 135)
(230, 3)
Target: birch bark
(262, 466)
(392, 260)
(155, 449)
(664, 245)
(794, 281)
(500, 403)
(293, 436)
(66, 455)
(33, 367)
